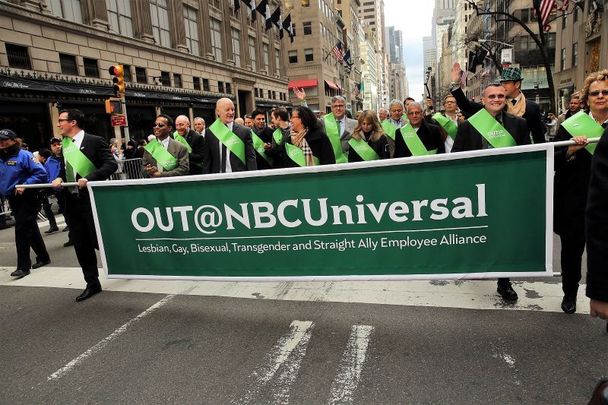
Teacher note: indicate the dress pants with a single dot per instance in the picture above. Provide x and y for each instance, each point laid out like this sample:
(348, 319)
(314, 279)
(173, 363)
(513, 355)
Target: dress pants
(573, 246)
(82, 232)
(48, 212)
(25, 208)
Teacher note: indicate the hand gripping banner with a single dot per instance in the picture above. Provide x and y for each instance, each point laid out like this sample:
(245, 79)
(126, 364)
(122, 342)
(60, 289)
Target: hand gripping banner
(481, 214)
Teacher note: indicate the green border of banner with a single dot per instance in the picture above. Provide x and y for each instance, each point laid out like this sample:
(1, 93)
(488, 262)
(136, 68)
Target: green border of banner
(548, 272)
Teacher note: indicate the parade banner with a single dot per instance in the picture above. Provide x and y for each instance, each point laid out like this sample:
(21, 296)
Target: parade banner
(480, 214)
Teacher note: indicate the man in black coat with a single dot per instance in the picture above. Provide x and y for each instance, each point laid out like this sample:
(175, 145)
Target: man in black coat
(218, 158)
(264, 132)
(429, 134)
(196, 142)
(468, 138)
(78, 203)
(517, 104)
(597, 231)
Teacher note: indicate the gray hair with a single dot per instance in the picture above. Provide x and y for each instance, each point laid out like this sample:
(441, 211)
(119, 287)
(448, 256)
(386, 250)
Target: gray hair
(397, 102)
(415, 104)
(338, 98)
(382, 109)
(198, 119)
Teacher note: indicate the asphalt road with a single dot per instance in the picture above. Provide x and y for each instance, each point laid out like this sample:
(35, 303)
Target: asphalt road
(136, 347)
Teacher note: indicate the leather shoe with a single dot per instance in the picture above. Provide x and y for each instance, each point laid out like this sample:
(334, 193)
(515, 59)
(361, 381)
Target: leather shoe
(41, 263)
(569, 305)
(52, 230)
(88, 293)
(20, 273)
(68, 243)
(67, 228)
(507, 292)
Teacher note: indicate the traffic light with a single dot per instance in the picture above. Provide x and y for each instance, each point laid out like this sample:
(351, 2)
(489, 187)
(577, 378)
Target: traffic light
(119, 78)
(113, 106)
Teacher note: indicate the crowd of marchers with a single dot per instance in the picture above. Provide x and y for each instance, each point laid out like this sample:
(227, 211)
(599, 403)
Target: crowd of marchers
(305, 138)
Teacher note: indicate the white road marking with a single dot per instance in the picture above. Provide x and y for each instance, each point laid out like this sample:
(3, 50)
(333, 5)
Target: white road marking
(288, 353)
(103, 343)
(349, 372)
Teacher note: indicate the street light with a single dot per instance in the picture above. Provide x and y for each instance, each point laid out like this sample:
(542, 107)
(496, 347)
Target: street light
(482, 40)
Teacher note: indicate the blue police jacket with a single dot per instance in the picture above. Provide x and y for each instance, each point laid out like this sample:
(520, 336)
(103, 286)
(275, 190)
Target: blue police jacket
(19, 168)
(52, 167)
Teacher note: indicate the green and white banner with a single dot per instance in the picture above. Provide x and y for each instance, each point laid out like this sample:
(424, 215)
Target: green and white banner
(481, 214)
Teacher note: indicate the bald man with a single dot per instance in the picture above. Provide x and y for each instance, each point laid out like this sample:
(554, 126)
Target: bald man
(194, 142)
(229, 145)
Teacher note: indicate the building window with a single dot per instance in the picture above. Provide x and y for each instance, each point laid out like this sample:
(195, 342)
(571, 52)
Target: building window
(293, 29)
(564, 19)
(575, 13)
(140, 75)
(269, 94)
(305, 3)
(236, 46)
(196, 82)
(220, 87)
(119, 17)
(252, 56)
(562, 63)
(293, 56)
(18, 57)
(90, 67)
(160, 22)
(307, 27)
(127, 73)
(68, 64)
(228, 88)
(308, 55)
(277, 61)
(216, 39)
(574, 53)
(68, 9)
(205, 84)
(165, 80)
(191, 23)
(255, 90)
(177, 80)
(265, 56)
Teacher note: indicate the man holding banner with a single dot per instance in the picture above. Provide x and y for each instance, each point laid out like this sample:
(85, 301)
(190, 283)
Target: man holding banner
(448, 121)
(163, 155)
(193, 141)
(572, 171)
(86, 157)
(492, 127)
(339, 128)
(417, 137)
(229, 145)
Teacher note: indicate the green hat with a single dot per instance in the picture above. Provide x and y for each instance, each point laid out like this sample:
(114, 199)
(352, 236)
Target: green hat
(511, 74)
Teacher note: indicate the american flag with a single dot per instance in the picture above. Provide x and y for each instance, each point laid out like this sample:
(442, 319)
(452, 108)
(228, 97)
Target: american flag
(565, 4)
(338, 51)
(546, 6)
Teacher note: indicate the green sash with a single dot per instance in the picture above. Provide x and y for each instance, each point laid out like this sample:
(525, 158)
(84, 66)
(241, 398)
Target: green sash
(581, 124)
(258, 145)
(278, 136)
(75, 160)
(297, 155)
(182, 140)
(450, 127)
(162, 156)
(491, 129)
(229, 139)
(413, 142)
(363, 149)
(331, 129)
(389, 128)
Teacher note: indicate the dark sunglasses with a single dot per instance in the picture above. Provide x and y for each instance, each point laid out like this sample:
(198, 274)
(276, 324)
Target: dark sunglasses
(160, 125)
(596, 93)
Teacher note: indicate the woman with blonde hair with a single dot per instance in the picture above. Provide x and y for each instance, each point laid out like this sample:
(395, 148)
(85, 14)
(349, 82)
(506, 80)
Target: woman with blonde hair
(368, 141)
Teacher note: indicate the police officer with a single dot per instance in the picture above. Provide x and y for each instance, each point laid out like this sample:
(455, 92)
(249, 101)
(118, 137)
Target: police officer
(18, 166)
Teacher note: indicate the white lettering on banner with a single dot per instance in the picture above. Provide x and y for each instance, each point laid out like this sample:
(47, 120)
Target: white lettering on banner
(209, 218)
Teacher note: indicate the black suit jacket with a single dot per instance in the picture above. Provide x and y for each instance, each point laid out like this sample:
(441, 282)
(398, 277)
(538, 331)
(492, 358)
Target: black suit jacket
(198, 145)
(211, 160)
(597, 224)
(532, 114)
(468, 138)
(429, 134)
(319, 144)
(265, 135)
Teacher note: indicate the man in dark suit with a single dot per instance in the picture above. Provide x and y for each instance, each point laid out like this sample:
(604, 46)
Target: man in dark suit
(220, 159)
(95, 150)
(163, 128)
(264, 132)
(469, 138)
(429, 134)
(195, 141)
(517, 103)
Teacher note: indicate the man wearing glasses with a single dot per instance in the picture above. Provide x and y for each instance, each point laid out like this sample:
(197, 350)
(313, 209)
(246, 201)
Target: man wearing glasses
(480, 132)
(163, 155)
(86, 158)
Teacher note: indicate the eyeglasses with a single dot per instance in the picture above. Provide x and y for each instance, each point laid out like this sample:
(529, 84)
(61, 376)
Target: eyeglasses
(497, 96)
(338, 106)
(596, 93)
(159, 125)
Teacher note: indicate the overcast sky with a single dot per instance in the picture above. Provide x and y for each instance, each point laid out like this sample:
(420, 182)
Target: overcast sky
(414, 19)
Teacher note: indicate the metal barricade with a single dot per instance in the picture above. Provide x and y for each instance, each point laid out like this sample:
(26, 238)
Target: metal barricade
(129, 169)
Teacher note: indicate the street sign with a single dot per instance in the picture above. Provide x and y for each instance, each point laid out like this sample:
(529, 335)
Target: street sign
(506, 56)
(119, 120)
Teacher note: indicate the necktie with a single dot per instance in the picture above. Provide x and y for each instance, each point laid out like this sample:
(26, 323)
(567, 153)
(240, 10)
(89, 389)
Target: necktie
(339, 127)
(223, 159)
(513, 101)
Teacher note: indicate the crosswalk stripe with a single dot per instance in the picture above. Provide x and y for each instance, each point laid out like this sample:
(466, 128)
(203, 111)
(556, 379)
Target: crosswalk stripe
(349, 372)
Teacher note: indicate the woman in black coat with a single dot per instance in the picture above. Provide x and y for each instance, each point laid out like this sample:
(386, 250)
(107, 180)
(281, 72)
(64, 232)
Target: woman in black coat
(308, 144)
(370, 131)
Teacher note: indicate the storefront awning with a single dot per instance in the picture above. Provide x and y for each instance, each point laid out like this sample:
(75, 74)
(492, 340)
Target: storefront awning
(332, 85)
(303, 84)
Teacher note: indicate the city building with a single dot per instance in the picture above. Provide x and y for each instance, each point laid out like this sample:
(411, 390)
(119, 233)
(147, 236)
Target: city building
(371, 14)
(398, 86)
(179, 57)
